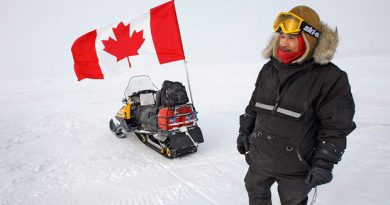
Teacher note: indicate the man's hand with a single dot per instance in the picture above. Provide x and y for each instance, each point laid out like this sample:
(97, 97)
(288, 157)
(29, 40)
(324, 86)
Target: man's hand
(318, 176)
(242, 144)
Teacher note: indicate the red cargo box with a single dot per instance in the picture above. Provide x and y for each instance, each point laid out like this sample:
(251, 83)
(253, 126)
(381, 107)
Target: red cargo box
(175, 117)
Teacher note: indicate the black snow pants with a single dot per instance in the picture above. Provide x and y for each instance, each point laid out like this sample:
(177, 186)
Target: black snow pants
(292, 189)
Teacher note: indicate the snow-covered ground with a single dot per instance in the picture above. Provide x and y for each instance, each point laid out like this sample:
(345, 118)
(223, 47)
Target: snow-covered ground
(56, 147)
(55, 144)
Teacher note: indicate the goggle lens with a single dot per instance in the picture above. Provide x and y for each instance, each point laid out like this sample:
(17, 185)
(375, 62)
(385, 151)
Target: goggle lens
(290, 23)
(287, 22)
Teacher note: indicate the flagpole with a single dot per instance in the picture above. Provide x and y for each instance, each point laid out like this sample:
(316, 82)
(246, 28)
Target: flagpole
(128, 60)
(188, 81)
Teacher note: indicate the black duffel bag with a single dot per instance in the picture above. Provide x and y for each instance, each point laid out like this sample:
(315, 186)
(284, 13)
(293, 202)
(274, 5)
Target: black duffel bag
(147, 115)
(171, 94)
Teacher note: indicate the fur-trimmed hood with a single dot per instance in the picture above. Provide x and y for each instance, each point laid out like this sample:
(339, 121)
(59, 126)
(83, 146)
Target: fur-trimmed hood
(323, 51)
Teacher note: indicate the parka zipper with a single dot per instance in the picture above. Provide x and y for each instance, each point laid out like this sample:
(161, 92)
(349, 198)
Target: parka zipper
(278, 97)
(287, 84)
(276, 104)
(299, 157)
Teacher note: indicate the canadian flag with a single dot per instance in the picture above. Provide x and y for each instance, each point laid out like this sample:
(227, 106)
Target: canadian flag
(152, 38)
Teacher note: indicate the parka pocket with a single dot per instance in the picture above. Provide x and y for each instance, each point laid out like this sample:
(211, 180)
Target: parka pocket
(279, 154)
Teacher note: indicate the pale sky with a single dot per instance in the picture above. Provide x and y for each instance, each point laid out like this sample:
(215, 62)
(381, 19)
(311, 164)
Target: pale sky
(36, 36)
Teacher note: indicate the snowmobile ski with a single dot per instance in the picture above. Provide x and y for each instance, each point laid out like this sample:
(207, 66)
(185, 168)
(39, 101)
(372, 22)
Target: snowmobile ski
(116, 129)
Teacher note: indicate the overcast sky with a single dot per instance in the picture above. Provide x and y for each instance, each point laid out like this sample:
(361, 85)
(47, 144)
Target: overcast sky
(36, 36)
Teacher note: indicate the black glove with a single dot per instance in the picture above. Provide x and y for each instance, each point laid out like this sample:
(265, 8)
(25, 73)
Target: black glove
(242, 144)
(326, 156)
(318, 176)
(320, 173)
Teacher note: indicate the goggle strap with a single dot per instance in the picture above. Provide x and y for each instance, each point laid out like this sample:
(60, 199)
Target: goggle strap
(309, 29)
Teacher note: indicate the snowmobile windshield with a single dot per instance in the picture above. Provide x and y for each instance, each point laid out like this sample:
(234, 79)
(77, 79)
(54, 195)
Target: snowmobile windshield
(139, 83)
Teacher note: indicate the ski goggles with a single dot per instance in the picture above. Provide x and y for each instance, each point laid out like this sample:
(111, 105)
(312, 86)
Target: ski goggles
(290, 23)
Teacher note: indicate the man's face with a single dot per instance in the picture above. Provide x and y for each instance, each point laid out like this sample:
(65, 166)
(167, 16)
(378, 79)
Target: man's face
(288, 42)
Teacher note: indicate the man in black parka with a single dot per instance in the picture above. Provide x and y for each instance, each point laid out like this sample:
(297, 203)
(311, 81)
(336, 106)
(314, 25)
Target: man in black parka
(295, 126)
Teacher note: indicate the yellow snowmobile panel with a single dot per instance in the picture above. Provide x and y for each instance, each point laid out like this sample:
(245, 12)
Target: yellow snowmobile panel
(124, 112)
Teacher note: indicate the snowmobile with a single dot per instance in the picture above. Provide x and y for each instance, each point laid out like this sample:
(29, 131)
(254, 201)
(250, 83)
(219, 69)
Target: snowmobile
(164, 119)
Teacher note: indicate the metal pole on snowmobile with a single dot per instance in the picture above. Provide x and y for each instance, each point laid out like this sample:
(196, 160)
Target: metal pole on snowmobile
(188, 82)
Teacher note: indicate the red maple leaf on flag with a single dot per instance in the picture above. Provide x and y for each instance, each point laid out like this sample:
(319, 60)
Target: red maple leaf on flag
(124, 45)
